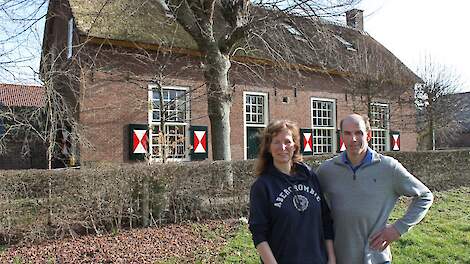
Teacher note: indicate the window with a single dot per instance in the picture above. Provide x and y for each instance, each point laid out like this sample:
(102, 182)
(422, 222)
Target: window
(255, 106)
(174, 103)
(175, 114)
(379, 122)
(167, 10)
(294, 31)
(346, 43)
(323, 125)
(174, 140)
(70, 39)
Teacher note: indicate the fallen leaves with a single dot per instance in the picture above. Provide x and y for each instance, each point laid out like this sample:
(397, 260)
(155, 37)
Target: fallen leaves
(178, 243)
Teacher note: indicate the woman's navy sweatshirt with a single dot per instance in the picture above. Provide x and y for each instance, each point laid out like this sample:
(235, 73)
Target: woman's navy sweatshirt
(290, 213)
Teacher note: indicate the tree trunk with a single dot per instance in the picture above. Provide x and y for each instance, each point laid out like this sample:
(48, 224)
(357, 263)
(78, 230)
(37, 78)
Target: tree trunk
(430, 117)
(145, 201)
(219, 101)
(432, 138)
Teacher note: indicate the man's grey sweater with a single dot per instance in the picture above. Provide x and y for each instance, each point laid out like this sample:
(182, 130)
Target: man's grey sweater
(361, 203)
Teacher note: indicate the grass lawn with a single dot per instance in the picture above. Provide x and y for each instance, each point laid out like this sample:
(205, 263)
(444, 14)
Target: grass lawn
(442, 237)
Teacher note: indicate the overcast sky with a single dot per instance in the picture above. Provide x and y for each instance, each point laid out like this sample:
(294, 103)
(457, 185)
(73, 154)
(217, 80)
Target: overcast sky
(412, 29)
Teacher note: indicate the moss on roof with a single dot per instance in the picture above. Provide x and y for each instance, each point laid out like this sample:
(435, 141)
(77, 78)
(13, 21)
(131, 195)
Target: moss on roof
(137, 21)
(145, 21)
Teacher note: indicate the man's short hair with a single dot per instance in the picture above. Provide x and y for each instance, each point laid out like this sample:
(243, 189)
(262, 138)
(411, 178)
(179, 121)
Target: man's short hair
(364, 118)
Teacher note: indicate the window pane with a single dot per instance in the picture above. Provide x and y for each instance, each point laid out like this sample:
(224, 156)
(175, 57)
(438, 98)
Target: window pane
(379, 115)
(172, 94)
(181, 106)
(254, 109)
(180, 94)
(379, 122)
(174, 142)
(323, 126)
(156, 115)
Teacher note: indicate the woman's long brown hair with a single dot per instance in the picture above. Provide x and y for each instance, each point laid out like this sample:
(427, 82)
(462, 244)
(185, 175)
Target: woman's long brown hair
(265, 159)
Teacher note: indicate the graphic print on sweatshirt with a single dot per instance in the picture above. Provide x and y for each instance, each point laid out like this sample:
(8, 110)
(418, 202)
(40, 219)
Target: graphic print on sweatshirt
(297, 195)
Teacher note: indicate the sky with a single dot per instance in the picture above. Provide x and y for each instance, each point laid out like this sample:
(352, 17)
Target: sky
(23, 51)
(413, 29)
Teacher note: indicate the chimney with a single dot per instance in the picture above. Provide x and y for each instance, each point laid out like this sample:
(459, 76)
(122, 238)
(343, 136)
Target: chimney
(355, 19)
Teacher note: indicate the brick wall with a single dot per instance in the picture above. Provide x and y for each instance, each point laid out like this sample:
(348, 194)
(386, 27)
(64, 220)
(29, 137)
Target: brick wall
(116, 95)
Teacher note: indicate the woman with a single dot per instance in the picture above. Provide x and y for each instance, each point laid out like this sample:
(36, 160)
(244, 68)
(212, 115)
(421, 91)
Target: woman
(289, 219)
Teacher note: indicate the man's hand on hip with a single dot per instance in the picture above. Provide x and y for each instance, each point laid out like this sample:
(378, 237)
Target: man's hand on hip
(380, 240)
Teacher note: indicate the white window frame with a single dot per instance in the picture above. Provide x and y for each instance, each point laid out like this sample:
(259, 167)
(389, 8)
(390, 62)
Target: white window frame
(70, 38)
(331, 128)
(153, 123)
(245, 124)
(385, 131)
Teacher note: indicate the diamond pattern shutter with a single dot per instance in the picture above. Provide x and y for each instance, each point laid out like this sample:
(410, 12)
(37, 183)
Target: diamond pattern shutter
(138, 139)
(199, 136)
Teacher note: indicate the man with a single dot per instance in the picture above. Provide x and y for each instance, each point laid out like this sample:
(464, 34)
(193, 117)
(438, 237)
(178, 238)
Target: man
(362, 188)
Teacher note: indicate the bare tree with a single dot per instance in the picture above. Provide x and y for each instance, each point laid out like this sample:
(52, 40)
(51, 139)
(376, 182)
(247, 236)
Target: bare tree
(264, 30)
(435, 103)
(53, 124)
(263, 33)
(21, 25)
(377, 75)
(221, 27)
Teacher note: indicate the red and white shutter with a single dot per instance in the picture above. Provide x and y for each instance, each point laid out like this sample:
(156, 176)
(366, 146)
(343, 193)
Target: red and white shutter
(341, 147)
(139, 142)
(394, 140)
(307, 141)
(199, 142)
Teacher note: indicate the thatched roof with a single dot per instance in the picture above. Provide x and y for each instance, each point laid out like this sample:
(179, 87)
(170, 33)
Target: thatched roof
(328, 46)
(136, 21)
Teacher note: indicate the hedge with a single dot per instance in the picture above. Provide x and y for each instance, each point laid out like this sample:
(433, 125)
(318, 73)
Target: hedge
(41, 204)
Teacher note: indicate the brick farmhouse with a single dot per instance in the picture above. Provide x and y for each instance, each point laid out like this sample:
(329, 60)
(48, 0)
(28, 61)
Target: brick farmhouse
(125, 56)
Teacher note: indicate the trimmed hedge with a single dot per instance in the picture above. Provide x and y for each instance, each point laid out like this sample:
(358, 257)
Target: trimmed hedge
(439, 170)
(39, 204)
